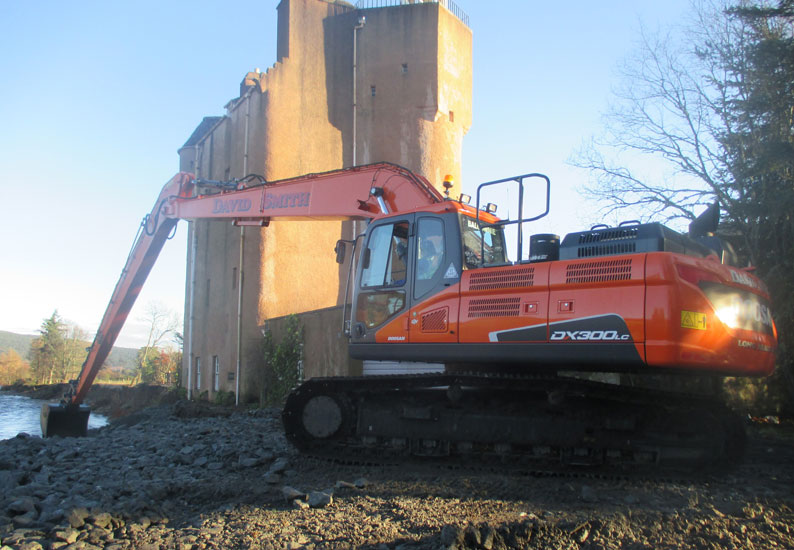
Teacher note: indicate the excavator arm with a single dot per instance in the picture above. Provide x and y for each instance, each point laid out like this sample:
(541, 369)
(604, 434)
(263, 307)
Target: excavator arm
(362, 192)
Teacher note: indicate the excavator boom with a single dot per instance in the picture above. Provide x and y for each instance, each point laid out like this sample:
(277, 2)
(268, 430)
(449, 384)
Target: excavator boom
(362, 192)
(69, 417)
(152, 235)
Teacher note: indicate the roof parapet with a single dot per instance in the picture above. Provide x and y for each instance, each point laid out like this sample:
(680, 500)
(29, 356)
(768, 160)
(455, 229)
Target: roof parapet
(449, 4)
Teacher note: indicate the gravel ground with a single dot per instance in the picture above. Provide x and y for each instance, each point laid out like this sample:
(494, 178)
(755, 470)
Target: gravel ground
(185, 476)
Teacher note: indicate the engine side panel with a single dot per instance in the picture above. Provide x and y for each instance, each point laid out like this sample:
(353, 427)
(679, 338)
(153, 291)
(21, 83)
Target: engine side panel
(502, 299)
(649, 312)
(599, 300)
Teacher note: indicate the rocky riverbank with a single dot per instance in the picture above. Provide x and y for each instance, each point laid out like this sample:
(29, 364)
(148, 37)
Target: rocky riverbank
(190, 476)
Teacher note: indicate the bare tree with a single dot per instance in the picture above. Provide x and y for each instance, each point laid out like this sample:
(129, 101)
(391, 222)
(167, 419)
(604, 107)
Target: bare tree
(672, 110)
(75, 350)
(712, 108)
(162, 324)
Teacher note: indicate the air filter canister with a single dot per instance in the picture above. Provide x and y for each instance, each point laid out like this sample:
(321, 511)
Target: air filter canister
(544, 247)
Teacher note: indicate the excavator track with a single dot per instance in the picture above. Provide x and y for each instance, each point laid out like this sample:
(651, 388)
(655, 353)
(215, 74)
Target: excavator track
(535, 423)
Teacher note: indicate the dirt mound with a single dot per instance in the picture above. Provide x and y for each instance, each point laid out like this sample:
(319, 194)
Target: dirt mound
(200, 409)
(113, 401)
(117, 401)
(45, 392)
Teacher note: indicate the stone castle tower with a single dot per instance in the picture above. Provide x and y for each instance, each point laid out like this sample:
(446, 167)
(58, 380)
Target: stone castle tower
(412, 107)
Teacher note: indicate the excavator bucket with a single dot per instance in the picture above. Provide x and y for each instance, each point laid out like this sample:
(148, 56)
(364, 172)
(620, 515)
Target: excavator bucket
(64, 420)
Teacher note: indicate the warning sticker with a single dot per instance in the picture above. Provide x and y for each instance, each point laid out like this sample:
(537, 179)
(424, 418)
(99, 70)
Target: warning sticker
(451, 273)
(691, 319)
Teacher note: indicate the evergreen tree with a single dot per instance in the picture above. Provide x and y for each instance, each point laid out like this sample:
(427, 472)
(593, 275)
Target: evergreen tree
(147, 365)
(760, 152)
(46, 351)
(715, 104)
(282, 361)
(58, 352)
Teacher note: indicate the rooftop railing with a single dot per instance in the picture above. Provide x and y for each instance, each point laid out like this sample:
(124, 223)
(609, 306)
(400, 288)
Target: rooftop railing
(449, 4)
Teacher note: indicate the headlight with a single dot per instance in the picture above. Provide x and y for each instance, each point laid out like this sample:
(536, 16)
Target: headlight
(729, 315)
(738, 308)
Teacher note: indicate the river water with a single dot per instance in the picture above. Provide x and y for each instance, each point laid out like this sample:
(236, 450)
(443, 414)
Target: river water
(21, 414)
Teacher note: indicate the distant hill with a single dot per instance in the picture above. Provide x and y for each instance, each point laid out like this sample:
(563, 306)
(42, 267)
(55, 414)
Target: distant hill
(122, 357)
(17, 342)
(119, 357)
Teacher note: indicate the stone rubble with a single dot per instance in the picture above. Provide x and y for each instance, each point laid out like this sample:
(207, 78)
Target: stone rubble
(193, 477)
(126, 477)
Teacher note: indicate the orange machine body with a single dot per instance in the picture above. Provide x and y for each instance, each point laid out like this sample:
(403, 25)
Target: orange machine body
(617, 312)
(635, 312)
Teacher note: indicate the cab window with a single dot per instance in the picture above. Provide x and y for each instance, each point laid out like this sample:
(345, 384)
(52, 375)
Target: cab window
(383, 275)
(481, 245)
(429, 254)
(385, 256)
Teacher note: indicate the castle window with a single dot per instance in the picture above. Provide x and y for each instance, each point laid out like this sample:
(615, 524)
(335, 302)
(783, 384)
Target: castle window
(216, 365)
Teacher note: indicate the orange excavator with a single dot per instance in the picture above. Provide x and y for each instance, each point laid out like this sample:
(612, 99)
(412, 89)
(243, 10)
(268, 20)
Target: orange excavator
(520, 336)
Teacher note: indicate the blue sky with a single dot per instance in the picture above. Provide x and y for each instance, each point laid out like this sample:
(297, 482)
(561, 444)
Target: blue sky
(98, 96)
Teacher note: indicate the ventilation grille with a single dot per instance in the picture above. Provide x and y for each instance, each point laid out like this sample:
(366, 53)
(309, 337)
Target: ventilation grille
(494, 307)
(435, 321)
(606, 250)
(492, 279)
(597, 272)
(614, 234)
(618, 240)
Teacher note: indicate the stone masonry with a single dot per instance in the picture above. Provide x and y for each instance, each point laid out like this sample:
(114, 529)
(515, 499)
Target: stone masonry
(413, 89)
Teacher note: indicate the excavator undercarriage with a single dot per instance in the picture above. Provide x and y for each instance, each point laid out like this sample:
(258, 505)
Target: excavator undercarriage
(536, 422)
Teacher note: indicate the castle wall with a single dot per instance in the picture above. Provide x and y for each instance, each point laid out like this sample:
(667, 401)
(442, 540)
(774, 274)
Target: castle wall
(296, 118)
(415, 89)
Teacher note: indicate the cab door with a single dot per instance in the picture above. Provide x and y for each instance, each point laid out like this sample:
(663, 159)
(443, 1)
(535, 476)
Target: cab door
(435, 293)
(381, 300)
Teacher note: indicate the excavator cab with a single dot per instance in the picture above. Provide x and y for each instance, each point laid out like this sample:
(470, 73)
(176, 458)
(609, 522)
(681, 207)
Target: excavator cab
(407, 287)
(404, 260)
